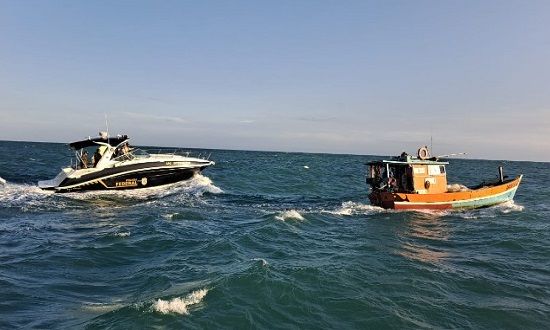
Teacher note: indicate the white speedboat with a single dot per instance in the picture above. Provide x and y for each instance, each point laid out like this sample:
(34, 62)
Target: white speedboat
(115, 166)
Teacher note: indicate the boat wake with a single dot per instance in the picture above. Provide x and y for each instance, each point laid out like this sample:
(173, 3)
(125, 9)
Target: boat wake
(2, 181)
(26, 197)
(196, 186)
(30, 197)
(179, 305)
(355, 208)
(493, 211)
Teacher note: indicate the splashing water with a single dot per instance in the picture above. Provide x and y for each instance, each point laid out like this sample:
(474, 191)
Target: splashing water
(198, 185)
(509, 206)
(179, 305)
(290, 215)
(355, 208)
(493, 211)
(262, 261)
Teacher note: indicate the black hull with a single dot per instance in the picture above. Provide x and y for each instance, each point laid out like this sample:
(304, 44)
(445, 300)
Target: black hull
(135, 180)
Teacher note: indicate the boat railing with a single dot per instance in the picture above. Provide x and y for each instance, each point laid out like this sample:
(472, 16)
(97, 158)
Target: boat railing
(168, 152)
(80, 163)
(178, 152)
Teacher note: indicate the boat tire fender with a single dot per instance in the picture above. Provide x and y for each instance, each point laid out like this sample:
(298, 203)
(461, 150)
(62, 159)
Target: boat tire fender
(427, 184)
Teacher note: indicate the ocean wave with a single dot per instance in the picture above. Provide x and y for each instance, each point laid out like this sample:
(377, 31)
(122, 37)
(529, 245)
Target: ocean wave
(2, 181)
(179, 305)
(355, 208)
(122, 234)
(201, 184)
(290, 215)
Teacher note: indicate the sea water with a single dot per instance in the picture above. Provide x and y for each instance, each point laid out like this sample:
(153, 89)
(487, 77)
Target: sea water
(267, 240)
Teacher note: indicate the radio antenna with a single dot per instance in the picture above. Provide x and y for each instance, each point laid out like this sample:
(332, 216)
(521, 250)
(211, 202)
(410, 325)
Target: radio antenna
(107, 126)
(431, 142)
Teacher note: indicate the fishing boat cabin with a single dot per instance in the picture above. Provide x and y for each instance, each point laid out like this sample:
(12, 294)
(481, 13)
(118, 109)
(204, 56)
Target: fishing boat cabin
(408, 174)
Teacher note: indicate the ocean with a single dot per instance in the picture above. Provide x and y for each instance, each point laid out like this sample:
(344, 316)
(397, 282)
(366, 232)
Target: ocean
(268, 240)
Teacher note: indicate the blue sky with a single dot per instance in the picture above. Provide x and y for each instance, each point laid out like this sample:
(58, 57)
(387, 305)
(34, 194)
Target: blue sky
(364, 77)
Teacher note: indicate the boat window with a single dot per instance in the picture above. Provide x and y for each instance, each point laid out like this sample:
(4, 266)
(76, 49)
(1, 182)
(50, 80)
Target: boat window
(433, 170)
(442, 169)
(127, 156)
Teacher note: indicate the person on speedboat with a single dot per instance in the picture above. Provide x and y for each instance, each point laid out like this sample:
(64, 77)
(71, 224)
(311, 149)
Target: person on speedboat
(84, 159)
(98, 154)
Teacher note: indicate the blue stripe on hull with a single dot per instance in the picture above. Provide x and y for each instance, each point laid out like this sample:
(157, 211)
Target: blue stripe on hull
(507, 196)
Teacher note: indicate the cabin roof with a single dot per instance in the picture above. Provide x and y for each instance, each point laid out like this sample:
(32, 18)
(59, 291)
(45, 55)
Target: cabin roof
(113, 141)
(408, 162)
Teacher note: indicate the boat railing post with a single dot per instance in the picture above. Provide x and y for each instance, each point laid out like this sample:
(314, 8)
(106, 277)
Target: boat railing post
(501, 174)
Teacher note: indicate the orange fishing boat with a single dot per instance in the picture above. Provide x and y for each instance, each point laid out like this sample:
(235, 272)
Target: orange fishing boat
(408, 183)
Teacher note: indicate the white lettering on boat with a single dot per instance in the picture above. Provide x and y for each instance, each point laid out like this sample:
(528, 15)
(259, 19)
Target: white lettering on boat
(127, 183)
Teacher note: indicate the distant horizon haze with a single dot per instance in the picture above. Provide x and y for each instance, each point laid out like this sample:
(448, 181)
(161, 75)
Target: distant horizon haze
(466, 155)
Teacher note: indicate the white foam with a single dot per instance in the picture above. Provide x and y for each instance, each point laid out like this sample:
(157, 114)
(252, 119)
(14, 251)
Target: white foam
(180, 305)
(290, 214)
(262, 260)
(25, 196)
(306, 167)
(170, 216)
(101, 308)
(493, 211)
(2, 181)
(509, 206)
(201, 184)
(354, 208)
(123, 234)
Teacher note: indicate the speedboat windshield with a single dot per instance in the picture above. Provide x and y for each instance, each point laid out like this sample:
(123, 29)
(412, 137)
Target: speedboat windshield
(132, 154)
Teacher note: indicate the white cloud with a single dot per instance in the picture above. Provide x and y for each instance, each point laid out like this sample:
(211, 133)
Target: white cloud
(173, 119)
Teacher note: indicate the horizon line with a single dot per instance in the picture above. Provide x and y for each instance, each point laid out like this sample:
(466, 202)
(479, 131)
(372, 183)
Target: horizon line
(283, 151)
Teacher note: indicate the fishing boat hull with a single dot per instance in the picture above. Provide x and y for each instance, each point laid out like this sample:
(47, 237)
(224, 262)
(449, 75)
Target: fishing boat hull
(484, 196)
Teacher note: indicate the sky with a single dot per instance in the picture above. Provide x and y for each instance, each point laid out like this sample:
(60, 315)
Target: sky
(360, 77)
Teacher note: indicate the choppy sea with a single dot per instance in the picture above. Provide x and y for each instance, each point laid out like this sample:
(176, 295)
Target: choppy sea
(267, 240)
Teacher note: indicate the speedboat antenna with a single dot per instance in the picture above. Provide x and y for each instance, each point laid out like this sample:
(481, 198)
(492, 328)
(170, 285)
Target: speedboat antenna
(107, 126)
